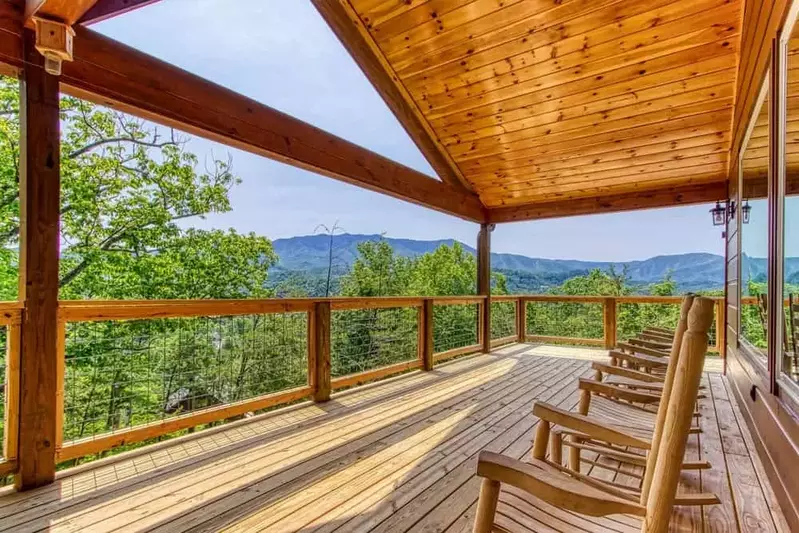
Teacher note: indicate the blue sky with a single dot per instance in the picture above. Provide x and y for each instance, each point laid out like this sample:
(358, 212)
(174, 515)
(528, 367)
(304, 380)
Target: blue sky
(281, 53)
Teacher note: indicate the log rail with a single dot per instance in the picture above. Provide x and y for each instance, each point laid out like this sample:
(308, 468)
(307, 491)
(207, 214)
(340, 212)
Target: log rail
(442, 328)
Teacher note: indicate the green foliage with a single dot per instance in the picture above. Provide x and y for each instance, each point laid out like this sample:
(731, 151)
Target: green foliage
(128, 191)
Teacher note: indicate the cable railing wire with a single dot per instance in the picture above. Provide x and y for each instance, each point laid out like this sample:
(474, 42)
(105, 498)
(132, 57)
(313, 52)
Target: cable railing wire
(366, 339)
(575, 320)
(503, 319)
(454, 326)
(121, 374)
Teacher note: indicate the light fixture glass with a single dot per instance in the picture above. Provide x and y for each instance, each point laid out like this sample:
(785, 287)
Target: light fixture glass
(745, 210)
(718, 214)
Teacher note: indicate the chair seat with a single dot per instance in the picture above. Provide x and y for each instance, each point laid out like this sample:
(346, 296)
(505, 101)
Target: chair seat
(520, 512)
(631, 417)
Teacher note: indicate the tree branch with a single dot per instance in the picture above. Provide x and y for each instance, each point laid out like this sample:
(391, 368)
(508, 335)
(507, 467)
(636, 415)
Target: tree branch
(110, 140)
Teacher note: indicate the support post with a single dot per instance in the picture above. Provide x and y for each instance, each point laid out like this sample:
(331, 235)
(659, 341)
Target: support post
(484, 283)
(426, 333)
(319, 353)
(38, 270)
(521, 320)
(609, 322)
(721, 328)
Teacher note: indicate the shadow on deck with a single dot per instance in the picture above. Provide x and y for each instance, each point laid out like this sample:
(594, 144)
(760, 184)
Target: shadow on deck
(398, 455)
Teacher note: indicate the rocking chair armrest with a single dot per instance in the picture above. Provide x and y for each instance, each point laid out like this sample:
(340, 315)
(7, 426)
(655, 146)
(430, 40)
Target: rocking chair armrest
(631, 348)
(558, 490)
(620, 393)
(626, 373)
(588, 426)
(640, 360)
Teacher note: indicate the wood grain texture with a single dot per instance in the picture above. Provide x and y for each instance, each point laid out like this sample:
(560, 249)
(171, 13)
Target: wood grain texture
(67, 11)
(352, 33)
(392, 457)
(106, 9)
(109, 73)
(484, 284)
(541, 101)
(39, 252)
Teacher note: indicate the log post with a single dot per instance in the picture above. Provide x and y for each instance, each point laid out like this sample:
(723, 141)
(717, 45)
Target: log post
(484, 283)
(319, 351)
(609, 322)
(521, 320)
(426, 334)
(38, 269)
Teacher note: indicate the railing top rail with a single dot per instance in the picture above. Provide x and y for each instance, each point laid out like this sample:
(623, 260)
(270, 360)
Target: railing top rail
(92, 311)
(504, 297)
(562, 298)
(458, 300)
(10, 312)
(99, 310)
(640, 299)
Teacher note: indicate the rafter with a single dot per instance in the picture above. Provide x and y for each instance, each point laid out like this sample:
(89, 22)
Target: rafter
(668, 197)
(349, 28)
(67, 11)
(112, 74)
(106, 9)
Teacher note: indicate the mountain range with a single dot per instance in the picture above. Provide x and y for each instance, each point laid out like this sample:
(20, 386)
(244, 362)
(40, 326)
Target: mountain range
(308, 256)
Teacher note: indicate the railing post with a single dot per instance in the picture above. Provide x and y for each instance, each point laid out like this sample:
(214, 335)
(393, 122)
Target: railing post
(319, 351)
(721, 328)
(609, 322)
(38, 270)
(521, 319)
(11, 420)
(426, 334)
(484, 284)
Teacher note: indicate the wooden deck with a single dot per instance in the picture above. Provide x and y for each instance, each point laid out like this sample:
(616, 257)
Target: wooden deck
(395, 456)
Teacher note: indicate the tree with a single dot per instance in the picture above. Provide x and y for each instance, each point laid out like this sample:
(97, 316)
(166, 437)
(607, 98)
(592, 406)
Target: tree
(330, 232)
(129, 189)
(126, 187)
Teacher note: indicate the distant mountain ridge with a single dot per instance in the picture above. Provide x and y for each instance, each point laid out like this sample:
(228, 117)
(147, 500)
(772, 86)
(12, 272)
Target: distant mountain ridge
(691, 271)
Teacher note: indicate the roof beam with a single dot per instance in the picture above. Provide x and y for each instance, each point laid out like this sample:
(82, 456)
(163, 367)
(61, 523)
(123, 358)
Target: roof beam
(668, 197)
(106, 9)
(345, 23)
(66, 11)
(109, 73)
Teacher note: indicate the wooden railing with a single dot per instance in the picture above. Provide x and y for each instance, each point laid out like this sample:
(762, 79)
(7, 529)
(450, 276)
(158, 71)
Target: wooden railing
(388, 336)
(10, 314)
(607, 318)
(192, 354)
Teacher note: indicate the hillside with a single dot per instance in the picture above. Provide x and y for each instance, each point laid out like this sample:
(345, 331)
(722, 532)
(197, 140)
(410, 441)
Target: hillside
(306, 257)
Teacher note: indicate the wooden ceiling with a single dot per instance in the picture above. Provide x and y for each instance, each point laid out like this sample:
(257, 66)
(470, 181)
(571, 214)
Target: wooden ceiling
(530, 102)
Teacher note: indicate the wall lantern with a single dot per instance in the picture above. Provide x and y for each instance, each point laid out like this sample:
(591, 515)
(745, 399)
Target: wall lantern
(718, 213)
(745, 210)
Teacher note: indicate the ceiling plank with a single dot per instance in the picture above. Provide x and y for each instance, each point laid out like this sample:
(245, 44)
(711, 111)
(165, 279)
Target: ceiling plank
(668, 197)
(112, 74)
(106, 9)
(66, 11)
(350, 30)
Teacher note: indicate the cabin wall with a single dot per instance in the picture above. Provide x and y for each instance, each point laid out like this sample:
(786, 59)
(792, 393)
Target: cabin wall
(771, 418)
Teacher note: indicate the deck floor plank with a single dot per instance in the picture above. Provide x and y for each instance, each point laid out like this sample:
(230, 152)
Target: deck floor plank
(395, 456)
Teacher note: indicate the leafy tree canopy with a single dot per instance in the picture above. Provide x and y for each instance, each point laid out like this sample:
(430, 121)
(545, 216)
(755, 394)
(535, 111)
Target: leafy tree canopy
(126, 186)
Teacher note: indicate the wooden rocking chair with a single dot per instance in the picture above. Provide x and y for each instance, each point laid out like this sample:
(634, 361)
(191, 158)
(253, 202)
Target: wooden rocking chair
(623, 408)
(540, 495)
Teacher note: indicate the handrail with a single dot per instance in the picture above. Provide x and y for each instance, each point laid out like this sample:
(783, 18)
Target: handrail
(512, 325)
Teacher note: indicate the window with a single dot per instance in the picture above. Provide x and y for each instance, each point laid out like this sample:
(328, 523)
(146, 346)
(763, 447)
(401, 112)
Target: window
(753, 215)
(789, 354)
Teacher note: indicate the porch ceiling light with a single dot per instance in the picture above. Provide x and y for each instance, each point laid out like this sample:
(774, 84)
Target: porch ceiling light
(718, 214)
